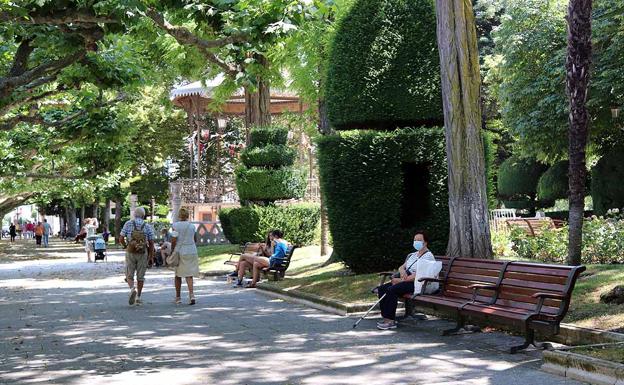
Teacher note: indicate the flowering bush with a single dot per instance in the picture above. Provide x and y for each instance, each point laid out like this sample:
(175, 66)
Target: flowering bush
(603, 242)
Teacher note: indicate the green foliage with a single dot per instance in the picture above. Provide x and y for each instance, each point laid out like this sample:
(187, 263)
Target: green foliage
(603, 242)
(252, 223)
(489, 153)
(270, 156)
(266, 185)
(363, 182)
(517, 182)
(267, 173)
(153, 184)
(383, 68)
(264, 136)
(606, 189)
(526, 74)
(553, 184)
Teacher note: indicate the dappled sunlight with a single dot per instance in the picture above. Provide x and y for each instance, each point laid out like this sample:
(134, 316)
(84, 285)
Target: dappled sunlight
(80, 330)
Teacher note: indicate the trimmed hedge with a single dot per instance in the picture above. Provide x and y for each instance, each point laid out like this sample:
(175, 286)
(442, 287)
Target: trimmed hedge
(299, 222)
(267, 173)
(266, 185)
(362, 177)
(517, 182)
(263, 136)
(553, 184)
(384, 69)
(270, 156)
(606, 189)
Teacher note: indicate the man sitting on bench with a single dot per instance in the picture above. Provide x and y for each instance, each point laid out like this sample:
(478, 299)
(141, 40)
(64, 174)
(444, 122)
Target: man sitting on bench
(403, 284)
(246, 260)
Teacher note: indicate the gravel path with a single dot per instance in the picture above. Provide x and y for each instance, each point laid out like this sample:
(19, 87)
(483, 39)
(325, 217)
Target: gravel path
(64, 321)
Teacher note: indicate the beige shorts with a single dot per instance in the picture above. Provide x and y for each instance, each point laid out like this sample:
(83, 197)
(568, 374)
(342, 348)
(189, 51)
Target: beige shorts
(136, 263)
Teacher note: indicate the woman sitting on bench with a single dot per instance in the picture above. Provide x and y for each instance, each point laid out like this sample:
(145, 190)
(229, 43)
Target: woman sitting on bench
(245, 262)
(279, 253)
(403, 284)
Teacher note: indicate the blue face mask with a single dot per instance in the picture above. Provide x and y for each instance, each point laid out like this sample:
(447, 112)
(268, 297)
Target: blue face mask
(418, 245)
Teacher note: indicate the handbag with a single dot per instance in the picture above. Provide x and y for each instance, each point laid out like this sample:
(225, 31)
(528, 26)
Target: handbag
(173, 261)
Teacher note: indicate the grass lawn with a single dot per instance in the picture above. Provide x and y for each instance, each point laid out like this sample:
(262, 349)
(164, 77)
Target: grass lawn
(306, 274)
(609, 353)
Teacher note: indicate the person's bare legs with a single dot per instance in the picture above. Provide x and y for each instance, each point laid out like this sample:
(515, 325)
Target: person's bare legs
(178, 287)
(189, 284)
(244, 264)
(88, 256)
(139, 287)
(258, 265)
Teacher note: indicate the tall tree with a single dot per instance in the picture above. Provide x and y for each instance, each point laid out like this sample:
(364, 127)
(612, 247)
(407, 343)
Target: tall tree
(578, 64)
(461, 80)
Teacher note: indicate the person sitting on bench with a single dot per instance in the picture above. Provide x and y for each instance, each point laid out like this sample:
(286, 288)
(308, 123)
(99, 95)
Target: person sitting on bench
(403, 284)
(279, 253)
(245, 262)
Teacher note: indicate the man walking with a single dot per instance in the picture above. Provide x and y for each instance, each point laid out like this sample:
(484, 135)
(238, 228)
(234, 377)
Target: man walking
(47, 230)
(137, 237)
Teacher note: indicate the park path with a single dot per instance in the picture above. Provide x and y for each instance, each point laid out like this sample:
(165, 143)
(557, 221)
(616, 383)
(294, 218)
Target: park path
(64, 321)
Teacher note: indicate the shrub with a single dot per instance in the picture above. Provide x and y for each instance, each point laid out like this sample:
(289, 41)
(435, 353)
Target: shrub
(384, 67)
(267, 174)
(603, 242)
(517, 182)
(606, 192)
(270, 156)
(374, 204)
(263, 136)
(299, 222)
(267, 185)
(553, 184)
(489, 153)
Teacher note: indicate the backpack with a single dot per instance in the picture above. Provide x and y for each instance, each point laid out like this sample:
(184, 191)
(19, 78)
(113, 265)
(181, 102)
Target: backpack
(137, 244)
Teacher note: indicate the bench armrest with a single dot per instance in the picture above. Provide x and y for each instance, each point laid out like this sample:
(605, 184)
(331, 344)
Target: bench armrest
(476, 287)
(383, 276)
(549, 295)
(430, 280)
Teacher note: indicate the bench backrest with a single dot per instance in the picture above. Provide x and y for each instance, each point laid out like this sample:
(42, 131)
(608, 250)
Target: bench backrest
(523, 279)
(251, 247)
(532, 226)
(461, 273)
(283, 265)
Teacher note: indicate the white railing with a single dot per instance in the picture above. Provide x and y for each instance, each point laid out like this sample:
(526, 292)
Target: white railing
(498, 218)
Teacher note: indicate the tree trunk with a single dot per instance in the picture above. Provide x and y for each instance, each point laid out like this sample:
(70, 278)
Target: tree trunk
(459, 67)
(118, 207)
(106, 216)
(258, 103)
(578, 64)
(96, 212)
(72, 229)
(8, 203)
(325, 129)
(82, 215)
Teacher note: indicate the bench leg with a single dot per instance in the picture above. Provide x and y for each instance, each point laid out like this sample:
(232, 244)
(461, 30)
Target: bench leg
(457, 328)
(529, 339)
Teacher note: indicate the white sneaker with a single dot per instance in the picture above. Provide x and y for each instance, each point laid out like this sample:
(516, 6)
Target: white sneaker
(138, 301)
(132, 296)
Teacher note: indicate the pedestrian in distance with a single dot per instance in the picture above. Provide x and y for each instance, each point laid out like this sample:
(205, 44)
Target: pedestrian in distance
(47, 230)
(183, 242)
(12, 232)
(137, 237)
(39, 230)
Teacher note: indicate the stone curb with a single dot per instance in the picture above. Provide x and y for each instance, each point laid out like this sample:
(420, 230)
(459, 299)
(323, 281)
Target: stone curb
(583, 368)
(568, 334)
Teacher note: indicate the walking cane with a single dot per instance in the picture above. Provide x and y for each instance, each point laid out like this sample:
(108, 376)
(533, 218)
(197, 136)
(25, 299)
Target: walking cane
(369, 310)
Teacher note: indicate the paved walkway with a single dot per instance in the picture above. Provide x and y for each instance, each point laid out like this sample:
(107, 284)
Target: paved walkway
(63, 321)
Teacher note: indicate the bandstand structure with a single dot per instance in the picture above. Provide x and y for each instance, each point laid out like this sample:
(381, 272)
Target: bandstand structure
(204, 197)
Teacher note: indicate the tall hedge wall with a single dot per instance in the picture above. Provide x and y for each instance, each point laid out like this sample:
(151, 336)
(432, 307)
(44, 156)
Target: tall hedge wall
(299, 222)
(607, 190)
(362, 178)
(384, 67)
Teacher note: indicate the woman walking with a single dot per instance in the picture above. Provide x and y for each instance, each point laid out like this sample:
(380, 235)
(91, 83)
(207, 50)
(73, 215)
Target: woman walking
(183, 241)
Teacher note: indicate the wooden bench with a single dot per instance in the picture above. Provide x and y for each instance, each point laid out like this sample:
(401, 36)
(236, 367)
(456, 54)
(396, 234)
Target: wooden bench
(532, 226)
(247, 248)
(279, 270)
(521, 296)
